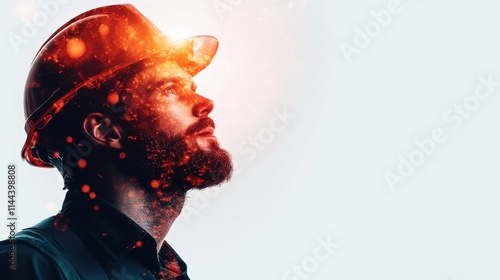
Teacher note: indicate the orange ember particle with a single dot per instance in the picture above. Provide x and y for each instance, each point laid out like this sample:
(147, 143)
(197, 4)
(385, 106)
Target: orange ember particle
(58, 105)
(92, 195)
(57, 154)
(123, 155)
(138, 243)
(69, 139)
(96, 207)
(155, 184)
(60, 225)
(75, 48)
(82, 163)
(85, 188)
(104, 29)
(113, 98)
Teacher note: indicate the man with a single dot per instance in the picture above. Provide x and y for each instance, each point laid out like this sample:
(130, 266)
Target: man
(111, 103)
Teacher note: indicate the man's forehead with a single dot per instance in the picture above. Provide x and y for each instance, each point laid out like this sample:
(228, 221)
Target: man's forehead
(165, 71)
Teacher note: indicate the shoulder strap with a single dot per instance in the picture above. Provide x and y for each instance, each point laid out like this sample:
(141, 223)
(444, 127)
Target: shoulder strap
(73, 249)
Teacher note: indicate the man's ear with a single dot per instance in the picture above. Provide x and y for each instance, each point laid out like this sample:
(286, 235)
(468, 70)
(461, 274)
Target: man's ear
(103, 131)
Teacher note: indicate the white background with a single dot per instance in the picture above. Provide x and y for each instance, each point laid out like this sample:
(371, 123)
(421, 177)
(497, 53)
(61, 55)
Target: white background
(322, 175)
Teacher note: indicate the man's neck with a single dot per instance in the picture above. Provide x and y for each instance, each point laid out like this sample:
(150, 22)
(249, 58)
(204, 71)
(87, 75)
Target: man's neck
(153, 210)
(155, 213)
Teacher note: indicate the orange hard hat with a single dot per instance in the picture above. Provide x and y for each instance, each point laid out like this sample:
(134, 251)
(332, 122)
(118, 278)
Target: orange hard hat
(88, 50)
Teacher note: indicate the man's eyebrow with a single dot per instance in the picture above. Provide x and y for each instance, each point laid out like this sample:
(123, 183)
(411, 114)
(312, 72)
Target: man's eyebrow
(175, 79)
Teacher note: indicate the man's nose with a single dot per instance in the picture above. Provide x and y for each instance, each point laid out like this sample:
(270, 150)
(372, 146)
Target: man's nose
(202, 106)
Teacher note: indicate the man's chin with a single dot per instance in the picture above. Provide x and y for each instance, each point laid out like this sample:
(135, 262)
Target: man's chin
(206, 169)
(207, 143)
(178, 164)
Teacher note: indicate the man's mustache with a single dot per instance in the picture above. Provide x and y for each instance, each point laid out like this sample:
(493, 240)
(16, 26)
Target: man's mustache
(200, 125)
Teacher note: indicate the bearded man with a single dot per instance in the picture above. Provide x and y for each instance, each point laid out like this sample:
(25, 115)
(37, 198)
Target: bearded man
(111, 103)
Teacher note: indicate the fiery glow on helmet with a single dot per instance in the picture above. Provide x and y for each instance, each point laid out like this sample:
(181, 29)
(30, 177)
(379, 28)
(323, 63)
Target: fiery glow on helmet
(113, 98)
(89, 50)
(104, 29)
(75, 48)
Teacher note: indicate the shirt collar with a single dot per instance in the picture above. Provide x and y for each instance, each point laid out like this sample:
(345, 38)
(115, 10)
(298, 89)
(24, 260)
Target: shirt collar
(116, 235)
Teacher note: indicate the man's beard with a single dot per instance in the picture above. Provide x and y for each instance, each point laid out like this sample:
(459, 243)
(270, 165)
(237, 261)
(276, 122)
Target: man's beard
(162, 161)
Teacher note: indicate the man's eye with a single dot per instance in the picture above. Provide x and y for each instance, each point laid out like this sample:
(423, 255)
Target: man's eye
(168, 88)
(168, 91)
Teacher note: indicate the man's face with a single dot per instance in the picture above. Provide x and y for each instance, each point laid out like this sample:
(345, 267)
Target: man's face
(171, 139)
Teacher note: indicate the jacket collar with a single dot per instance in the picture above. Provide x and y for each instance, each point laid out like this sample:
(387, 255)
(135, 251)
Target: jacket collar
(114, 235)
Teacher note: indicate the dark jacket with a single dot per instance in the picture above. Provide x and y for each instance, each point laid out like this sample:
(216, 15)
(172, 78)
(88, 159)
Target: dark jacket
(89, 239)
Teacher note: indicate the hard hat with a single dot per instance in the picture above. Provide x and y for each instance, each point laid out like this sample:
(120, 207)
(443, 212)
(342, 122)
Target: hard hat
(87, 51)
